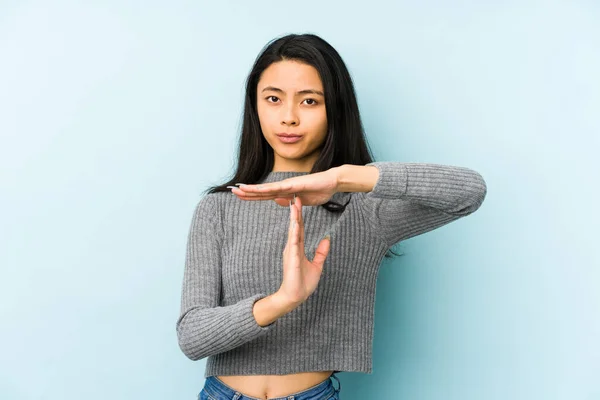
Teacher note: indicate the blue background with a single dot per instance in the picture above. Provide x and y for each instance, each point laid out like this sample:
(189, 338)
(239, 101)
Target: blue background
(114, 116)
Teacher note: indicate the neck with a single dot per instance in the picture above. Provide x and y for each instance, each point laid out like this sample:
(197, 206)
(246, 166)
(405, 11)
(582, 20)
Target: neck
(303, 164)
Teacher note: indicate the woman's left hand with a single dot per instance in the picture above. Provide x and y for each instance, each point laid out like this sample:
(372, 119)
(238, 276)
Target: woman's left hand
(313, 189)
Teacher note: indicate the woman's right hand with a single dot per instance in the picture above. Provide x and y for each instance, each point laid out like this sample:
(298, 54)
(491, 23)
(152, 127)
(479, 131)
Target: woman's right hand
(300, 276)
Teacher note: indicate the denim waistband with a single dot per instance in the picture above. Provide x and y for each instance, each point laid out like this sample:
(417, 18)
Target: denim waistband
(219, 390)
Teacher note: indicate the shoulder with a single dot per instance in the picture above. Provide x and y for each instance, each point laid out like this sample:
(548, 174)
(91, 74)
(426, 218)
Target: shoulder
(208, 213)
(210, 205)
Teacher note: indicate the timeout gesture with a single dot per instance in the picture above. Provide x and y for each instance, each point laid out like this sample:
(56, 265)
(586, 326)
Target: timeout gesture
(314, 189)
(300, 276)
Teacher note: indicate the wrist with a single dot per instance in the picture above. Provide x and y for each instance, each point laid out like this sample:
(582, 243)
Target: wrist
(356, 178)
(282, 302)
(269, 309)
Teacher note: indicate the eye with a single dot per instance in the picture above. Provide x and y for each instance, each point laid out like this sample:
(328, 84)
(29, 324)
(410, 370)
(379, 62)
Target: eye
(313, 101)
(268, 97)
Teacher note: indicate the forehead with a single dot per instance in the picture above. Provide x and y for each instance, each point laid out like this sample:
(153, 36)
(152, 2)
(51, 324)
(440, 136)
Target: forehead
(290, 75)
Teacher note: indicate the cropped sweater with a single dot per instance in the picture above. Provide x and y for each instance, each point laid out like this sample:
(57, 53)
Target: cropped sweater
(234, 258)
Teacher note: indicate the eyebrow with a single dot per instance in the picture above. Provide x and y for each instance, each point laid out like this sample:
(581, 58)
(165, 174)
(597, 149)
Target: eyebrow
(305, 91)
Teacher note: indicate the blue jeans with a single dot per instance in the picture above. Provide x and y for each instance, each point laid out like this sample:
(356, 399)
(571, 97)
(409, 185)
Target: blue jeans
(215, 389)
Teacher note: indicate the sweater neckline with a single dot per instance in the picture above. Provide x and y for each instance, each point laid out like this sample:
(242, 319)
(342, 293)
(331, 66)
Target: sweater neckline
(275, 176)
(339, 197)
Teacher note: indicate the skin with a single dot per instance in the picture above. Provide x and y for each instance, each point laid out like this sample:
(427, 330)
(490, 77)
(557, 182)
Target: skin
(286, 110)
(282, 109)
(290, 98)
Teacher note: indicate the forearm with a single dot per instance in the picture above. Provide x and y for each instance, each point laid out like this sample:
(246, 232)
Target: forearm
(452, 189)
(410, 198)
(356, 178)
(268, 309)
(200, 328)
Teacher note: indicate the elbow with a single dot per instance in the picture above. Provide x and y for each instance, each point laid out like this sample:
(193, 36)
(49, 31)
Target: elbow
(475, 193)
(189, 346)
(189, 351)
(478, 192)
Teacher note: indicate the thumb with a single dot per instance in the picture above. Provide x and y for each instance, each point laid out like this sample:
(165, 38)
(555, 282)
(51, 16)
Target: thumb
(322, 251)
(282, 201)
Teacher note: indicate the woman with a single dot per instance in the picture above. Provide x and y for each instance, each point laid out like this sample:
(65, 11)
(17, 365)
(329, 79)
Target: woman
(281, 297)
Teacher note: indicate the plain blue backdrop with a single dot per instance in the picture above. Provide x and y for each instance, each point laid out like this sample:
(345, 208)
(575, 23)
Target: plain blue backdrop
(116, 115)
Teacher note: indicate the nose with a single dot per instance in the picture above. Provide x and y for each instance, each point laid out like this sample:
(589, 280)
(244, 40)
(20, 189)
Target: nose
(289, 116)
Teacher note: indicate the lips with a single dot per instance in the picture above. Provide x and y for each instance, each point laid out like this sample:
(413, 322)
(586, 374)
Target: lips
(289, 138)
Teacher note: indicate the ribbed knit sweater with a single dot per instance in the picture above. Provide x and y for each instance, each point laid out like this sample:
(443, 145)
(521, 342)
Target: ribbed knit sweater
(234, 258)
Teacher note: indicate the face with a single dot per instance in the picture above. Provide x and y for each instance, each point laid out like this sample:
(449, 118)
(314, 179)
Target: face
(290, 100)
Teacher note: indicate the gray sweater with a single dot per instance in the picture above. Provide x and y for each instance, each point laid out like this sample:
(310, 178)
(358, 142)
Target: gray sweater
(234, 258)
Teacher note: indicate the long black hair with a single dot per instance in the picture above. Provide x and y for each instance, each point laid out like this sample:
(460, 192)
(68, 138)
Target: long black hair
(345, 142)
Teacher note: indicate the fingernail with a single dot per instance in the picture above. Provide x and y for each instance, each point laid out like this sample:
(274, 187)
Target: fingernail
(232, 187)
(327, 237)
(241, 184)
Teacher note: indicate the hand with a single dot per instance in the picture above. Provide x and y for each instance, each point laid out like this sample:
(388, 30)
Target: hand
(300, 276)
(313, 189)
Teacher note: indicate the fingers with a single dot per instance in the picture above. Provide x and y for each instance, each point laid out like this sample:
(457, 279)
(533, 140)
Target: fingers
(262, 190)
(259, 196)
(283, 202)
(300, 220)
(296, 230)
(321, 252)
(293, 226)
(269, 188)
(250, 195)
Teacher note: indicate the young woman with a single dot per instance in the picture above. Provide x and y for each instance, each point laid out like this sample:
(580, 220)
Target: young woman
(278, 296)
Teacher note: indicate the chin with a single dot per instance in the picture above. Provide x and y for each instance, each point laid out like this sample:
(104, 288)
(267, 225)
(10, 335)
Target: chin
(291, 155)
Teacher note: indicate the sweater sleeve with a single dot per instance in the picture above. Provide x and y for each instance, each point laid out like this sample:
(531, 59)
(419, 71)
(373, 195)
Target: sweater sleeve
(204, 327)
(410, 199)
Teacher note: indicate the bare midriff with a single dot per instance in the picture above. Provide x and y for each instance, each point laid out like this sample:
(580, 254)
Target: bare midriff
(272, 386)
